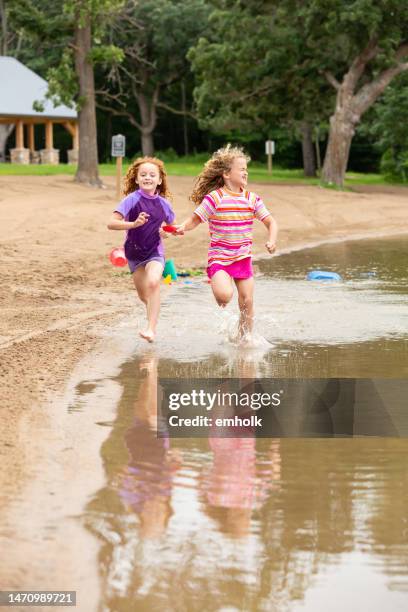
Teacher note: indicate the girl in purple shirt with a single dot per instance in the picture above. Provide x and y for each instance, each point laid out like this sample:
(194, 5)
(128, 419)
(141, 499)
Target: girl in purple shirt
(142, 213)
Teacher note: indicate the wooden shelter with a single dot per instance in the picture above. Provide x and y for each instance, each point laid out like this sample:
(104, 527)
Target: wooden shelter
(20, 89)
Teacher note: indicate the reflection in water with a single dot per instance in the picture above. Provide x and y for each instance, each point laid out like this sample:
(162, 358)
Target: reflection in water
(146, 482)
(235, 485)
(267, 524)
(243, 524)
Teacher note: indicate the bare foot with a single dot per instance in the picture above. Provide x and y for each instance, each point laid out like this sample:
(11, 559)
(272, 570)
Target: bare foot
(246, 340)
(147, 335)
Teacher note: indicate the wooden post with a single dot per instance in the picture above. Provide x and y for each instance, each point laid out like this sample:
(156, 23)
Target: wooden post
(118, 151)
(118, 177)
(49, 141)
(19, 134)
(31, 139)
(269, 150)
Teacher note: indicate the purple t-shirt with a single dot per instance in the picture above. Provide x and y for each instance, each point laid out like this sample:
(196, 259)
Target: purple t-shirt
(144, 242)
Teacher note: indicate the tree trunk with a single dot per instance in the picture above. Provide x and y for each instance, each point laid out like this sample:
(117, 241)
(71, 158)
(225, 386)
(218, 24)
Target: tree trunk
(317, 146)
(5, 131)
(87, 171)
(309, 163)
(184, 109)
(147, 108)
(338, 149)
(108, 147)
(351, 105)
(147, 143)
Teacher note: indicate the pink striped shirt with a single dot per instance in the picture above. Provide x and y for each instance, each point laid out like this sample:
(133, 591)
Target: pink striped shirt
(230, 218)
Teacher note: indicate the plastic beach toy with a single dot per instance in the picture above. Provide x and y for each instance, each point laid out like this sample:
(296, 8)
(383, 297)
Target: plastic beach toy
(169, 228)
(170, 268)
(191, 272)
(118, 257)
(167, 279)
(323, 275)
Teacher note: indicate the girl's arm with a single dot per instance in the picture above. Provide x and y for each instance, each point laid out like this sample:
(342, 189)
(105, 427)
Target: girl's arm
(189, 224)
(272, 227)
(117, 221)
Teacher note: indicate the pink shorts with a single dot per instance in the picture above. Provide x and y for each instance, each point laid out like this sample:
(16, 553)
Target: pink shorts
(239, 269)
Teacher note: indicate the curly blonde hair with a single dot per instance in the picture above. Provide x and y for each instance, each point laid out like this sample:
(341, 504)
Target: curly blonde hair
(211, 176)
(130, 183)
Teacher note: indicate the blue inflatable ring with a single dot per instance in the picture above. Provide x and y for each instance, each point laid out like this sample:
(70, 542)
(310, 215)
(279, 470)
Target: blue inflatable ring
(323, 275)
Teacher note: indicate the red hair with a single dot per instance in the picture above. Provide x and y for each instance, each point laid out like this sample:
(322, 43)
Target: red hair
(130, 183)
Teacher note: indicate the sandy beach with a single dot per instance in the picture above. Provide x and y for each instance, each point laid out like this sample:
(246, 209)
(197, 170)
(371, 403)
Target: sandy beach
(59, 293)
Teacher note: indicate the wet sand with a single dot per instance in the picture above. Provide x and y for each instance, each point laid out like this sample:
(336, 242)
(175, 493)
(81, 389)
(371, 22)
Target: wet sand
(60, 295)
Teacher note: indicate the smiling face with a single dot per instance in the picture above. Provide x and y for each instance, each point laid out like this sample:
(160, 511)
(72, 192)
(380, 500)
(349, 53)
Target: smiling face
(237, 177)
(148, 177)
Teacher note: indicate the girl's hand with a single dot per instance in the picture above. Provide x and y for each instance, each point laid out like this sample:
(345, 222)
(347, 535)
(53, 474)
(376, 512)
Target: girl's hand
(141, 220)
(271, 246)
(180, 229)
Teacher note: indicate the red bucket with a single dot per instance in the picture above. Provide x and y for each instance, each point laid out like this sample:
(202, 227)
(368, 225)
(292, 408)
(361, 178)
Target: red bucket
(117, 257)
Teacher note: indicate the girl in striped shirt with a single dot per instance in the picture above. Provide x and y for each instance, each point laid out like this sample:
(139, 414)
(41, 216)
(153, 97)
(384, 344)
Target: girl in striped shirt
(222, 200)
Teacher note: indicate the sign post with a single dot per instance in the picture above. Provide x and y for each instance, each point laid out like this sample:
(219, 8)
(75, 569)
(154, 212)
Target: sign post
(118, 151)
(270, 150)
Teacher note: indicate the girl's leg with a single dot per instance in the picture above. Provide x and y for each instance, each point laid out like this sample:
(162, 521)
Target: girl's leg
(221, 285)
(245, 288)
(139, 279)
(147, 282)
(154, 271)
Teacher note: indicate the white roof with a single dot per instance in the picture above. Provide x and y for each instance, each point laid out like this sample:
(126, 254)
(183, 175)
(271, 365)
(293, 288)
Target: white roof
(21, 87)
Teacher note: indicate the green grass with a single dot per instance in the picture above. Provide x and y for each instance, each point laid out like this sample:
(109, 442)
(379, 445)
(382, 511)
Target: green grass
(192, 166)
(34, 170)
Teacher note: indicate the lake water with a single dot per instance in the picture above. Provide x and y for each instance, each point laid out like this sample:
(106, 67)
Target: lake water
(246, 524)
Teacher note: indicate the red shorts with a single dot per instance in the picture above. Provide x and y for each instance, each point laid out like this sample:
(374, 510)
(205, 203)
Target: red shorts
(239, 269)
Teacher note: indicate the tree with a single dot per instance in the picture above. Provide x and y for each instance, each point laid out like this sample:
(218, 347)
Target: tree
(69, 32)
(359, 46)
(88, 16)
(289, 48)
(256, 83)
(154, 36)
(87, 171)
(388, 123)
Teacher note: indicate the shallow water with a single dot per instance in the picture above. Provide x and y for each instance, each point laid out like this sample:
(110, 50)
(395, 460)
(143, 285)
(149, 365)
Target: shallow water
(357, 327)
(268, 524)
